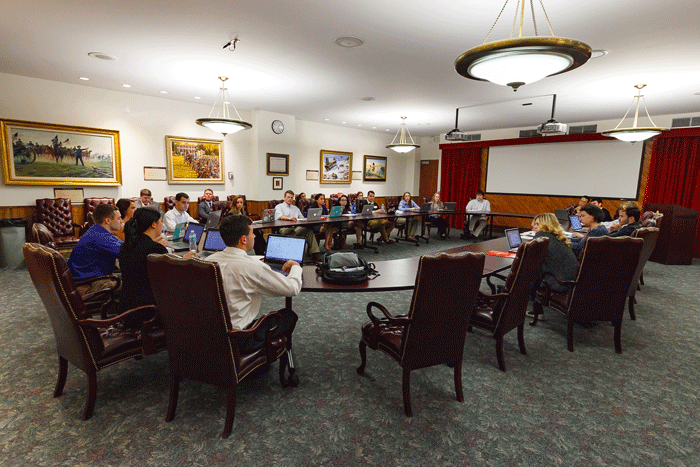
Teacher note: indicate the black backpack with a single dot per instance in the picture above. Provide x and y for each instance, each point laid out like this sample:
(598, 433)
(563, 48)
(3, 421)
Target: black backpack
(345, 267)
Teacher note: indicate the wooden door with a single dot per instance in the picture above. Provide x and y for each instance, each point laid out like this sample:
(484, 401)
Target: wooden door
(428, 179)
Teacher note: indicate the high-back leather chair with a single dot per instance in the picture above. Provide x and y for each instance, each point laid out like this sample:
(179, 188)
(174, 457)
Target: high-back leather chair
(80, 340)
(303, 205)
(168, 203)
(202, 346)
(433, 332)
(505, 311)
(599, 290)
(201, 198)
(89, 205)
(650, 236)
(57, 215)
(274, 202)
(43, 236)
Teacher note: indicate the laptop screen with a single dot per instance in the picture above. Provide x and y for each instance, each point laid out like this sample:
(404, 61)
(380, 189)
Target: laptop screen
(575, 223)
(514, 239)
(179, 230)
(213, 241)
(451, 206)
(196, 228)
(336, 211)
(280, 248)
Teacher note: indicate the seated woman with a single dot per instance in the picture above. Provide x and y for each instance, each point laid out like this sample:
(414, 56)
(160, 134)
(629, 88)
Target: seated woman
(407, 204)
(592, 217)
(300, 197)
(438, 220)
(238, 209)
(342, 226)
(560, 259)
(126, 209)
(327, 229)
(143, 237)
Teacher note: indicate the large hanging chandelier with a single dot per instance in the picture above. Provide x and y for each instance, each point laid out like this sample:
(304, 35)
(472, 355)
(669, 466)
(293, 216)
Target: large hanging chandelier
(522, 60)
(403, 146)
(222, 122)
(634, 134)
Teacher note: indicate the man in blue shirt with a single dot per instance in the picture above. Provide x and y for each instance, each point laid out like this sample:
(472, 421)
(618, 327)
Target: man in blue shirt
(96, 252)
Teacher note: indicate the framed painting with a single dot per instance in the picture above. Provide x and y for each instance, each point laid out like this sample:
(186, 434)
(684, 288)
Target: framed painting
(46, 154)
(336, 167)
(277, 164)
(374, 169)
(277, 183)
(194, 160)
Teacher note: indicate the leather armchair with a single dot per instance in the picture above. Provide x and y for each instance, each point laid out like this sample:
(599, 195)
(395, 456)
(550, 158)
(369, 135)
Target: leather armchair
(433, 331)
(43, 236)
(502, 312)
(599, 290)
(168, 203)
(57, 216)
(87, 343)
(202, 346)
(274, 202)
(650, 236)
(89, 205)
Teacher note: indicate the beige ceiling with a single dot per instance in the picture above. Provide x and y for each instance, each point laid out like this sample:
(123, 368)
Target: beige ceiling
(287, 60)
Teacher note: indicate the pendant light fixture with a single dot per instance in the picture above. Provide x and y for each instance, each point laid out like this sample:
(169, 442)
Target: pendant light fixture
(402, 146)
(522, 60)
(634, 134)
(222, 122)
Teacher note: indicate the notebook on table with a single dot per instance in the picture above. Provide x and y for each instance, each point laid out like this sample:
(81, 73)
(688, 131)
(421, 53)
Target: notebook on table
(336, 211)
(281, 249)
(184, 242)
(213, 220)
(213, 243)
(514, 239)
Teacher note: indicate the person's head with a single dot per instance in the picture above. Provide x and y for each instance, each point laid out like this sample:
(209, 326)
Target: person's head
(208, 194)
(436, 197)
(143, 220)
(596, 201)
(145, 196)
(591, 215)
(360, 195)
(237, 231)
(370, 196)
(629, 215)
(343, 200)
(545, 222)
(288, 196)
(585, 199)
(126, 208)
(320, 199)
(182, 201)
(239, 203)
(407, 196)
(480, 195)
(108, 216)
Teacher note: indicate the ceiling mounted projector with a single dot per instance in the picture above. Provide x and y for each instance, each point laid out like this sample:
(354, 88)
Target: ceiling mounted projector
(456, 135)
(551, 126)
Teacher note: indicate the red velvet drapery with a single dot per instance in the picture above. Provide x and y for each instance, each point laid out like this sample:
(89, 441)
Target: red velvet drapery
(459, 178)
(674, 173)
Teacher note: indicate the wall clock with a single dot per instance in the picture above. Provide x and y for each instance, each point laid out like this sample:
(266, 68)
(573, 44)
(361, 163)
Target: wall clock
(277, 127)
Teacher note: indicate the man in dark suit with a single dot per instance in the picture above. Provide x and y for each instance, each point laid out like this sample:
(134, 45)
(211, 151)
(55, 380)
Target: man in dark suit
(596, 201)
(206, 206)
(629, 221)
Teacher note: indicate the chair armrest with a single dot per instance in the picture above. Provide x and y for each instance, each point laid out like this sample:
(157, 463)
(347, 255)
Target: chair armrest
(401, 321)
(268, 334)
(113, 277)
(569, 283)
(104, 323)
(147, 327)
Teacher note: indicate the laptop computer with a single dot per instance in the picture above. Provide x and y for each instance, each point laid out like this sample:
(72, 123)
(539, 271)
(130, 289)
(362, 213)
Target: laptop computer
(314, 214)
(514, 239)
(562, 215)
(451, 206)
(336, 211)
(425, 207)
(367, 210)
(575, 223)
(179, 231)
(213, 219)
(281, 249)
(184, 243)
(268, 215)
(212, 243)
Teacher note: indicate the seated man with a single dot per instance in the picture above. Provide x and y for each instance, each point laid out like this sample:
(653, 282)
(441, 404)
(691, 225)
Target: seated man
(629, 221)
(96, 252)
(146, 200)
(383, 225)
(287, 211)
(179, 213)
(573, 209)
(479, 204)
(597, 201)
(247, 279)
(591, 217)
(206, 206)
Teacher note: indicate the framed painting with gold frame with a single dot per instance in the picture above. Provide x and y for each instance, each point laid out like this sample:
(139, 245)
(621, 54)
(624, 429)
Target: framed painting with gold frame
(194, 160)
(336, 167)
(36, 153)
(374, 169)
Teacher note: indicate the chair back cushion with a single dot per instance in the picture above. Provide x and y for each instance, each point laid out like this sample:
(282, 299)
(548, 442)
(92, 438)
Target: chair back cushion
(55, 286)
(303, 205)
(442, 303)
(168, 203)
(272, 203)
(56, 215)
(201, 198)
(89, 204)
(392, 202)
(42, 235)
(606, 268)
(191, 303)
(650, 235)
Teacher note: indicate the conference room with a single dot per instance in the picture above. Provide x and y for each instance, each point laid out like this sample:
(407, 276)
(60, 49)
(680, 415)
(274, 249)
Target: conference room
(592, 406)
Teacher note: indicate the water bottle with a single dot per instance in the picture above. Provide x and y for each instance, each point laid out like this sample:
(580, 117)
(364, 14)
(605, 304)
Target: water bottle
(193, 241)
(354, 208)
(382, 206)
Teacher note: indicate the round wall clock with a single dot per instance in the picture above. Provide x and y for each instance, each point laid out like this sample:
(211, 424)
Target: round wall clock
(277, 127)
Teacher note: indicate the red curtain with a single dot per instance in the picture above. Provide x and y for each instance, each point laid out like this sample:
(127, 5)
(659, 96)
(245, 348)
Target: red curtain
(459, 178)
(674, 175)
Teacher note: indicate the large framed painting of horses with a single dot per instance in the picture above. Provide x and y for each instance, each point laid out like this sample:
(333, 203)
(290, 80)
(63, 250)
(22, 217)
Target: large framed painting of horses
(195, 161)
(46, 154)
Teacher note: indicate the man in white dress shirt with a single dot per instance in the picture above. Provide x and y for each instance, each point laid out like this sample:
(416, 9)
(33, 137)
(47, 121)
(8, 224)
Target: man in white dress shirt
(477, 205)
(287, 211)
(179, 213)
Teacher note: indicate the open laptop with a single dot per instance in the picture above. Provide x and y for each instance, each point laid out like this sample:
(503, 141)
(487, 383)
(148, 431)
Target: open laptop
(575, 223)
(213, 219)
(314, 214)
(179, 231)
(184, 242)
(280, 249)
(425, 207)
(336, 211)
(366, 210)
(212, 243)
(562, 215)
(451, 206)
(514, 239)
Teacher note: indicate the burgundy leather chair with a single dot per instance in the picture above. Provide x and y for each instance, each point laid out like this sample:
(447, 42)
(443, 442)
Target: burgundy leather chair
(202, 346)
(57, 216)
(434, 330)
(274, 202)
(505, 311)
(304, 206)
(89, 205)
(89, 344)
(168, 203)
(43, 236)
(650, 236)
(599, 291)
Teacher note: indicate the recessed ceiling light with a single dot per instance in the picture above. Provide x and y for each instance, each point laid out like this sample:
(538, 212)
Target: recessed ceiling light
(367, 99)
(164, 92)
(349, 42)
(126, 85)
(344, 123)
(84, 78)
(197, 97)
(388, 129)
(359, 125)
(103, 56)
(597, 53)
(326, 119)
(374, 127)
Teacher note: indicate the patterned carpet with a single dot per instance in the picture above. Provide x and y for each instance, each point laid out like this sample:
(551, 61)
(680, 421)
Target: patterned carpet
(591, 407)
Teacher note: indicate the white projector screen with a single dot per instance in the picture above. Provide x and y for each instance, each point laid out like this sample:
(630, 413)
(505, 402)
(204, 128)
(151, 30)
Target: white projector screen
(609, 169)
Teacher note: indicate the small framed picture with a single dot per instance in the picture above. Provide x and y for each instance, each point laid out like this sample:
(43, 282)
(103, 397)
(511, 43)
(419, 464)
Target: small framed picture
(277, 183)
(312, 174)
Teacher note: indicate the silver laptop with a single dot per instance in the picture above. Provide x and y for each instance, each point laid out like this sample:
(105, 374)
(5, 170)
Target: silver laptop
(281, 249)
(268, 215)
(514, 239)
(212, 243)
(213, 219)
(314, 214)
(367, 210)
